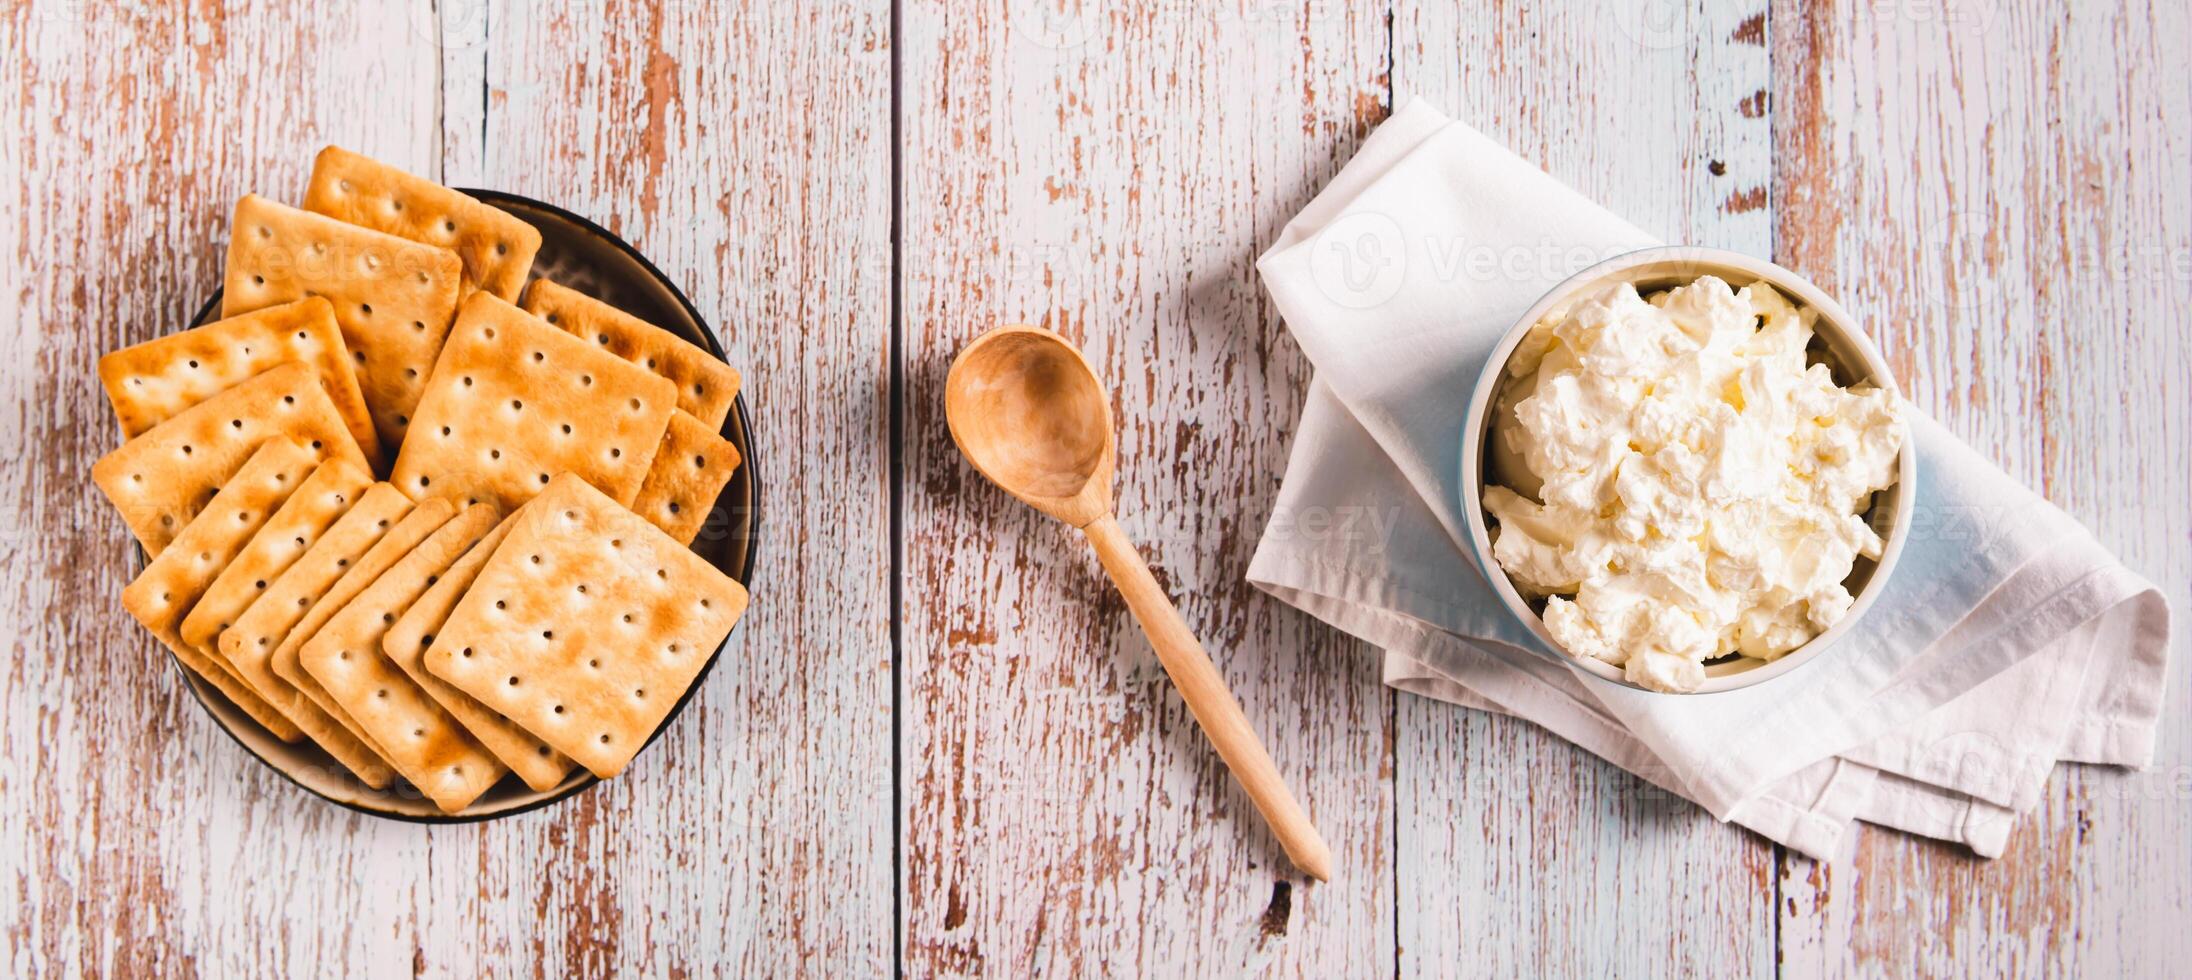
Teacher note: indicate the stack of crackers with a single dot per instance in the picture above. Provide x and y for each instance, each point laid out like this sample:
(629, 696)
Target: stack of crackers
(443, 536)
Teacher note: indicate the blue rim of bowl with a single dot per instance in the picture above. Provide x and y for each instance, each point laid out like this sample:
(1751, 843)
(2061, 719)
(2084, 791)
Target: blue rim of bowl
(738, 422)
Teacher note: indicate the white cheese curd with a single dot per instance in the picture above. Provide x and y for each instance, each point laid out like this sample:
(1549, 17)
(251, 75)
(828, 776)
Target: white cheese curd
(1681, 484)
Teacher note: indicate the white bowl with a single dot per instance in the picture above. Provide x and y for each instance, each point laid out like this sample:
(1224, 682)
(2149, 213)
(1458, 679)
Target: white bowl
(1836, 340)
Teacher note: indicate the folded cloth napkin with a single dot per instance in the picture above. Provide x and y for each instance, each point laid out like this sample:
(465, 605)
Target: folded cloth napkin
(2007, 640)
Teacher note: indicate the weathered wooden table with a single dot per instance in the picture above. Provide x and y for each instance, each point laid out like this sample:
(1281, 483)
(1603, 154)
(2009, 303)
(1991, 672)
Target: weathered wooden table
(908, 757)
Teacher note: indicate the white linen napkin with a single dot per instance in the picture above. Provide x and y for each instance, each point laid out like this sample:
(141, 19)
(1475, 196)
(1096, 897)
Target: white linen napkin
(2008, 639)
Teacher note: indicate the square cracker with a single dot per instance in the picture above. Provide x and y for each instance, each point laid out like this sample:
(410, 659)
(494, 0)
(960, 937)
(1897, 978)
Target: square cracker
(542, 767)
(514, 402)
(393, 297)
(160, 479)
(586, 626)
(408, 533)
(705, 385)
(168, 587)
(175, 583)
(426, 745)
(153, 381)
(325, 496)
(496, 246)
(688, 473)
(266, 624)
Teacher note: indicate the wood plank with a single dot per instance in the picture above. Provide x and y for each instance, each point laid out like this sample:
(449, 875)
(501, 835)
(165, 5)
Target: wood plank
(2003, 192)
(462, 31)
(743, 149)
(139, 837)
(1519, 853)
(1112, 173)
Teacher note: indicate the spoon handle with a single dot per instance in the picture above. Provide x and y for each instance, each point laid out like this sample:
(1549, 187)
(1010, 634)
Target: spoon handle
(1204, 690)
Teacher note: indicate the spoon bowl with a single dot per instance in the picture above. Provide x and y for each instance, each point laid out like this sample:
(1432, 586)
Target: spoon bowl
(1028, 412)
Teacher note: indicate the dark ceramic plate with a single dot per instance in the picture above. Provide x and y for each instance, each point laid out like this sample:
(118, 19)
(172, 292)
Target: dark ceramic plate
(580, 254)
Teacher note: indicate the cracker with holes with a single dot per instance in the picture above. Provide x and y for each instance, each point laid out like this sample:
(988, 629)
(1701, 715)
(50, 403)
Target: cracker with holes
(404, 535)
(166, 590)
(514, 402)
(269, 621)
(273, 475)
(705, 385)
(689, 471)
(393, 297)
(542, 767)
(324, 496)
(497, 248)
(156, 380)
(424, 742)
(161, 479)
(586, 626)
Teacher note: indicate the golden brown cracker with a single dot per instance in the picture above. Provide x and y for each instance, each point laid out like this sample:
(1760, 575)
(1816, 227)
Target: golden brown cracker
(496, 246)
(325, 496)
(586, 626)
(688, 473)
(161, 479)
(155, 380)
(705, 385)
(393, 297)
(166, 590)
(405, 535)
(541, 767)
(514, 402)
(269, 622)
(424, 742)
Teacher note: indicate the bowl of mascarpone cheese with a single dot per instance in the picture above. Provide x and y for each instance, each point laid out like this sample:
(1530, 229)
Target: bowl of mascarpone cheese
(1687, 470)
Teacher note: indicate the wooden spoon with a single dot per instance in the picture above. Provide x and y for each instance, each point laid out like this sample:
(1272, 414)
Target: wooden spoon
(1028, 412)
